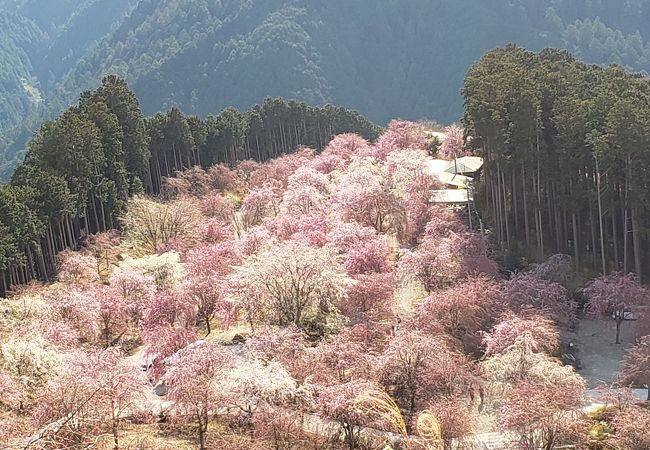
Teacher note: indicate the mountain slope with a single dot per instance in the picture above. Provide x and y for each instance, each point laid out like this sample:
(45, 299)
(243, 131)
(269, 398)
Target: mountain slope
(384, 58)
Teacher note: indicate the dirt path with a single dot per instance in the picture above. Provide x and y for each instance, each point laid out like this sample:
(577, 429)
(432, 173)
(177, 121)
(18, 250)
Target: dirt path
(598, 356)
(149, 400)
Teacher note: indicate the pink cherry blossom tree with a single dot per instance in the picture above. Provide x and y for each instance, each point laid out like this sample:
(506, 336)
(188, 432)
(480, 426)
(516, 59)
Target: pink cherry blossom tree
(346, 146)
(307, 192)
(364, 195)
(442, 222)
(205, 283)
(307, 176)
(342, 358)
(631, 429)
(375, 335)
(59, 333)
(419, 207)
(544, 333)
(309, 228)
(543, 414)
(198, 179)
(161, 342)
(344, 235)
(453, 146)
(218, 206)
(440, 262)
(78, 309)
(77, 269)
(280, 169)
(290, 283)
(328, 163)
(369, 256)
(636, 366)
(13, 396)
(370, 298)
(337, 403)
(462, 310)
(417, 367)
(192, 379)
(456, 417)
(113, 315)
(286, 345)
(525, 291)
(259, 203)
(222, 177)
(255, 239)
(614, 296)
(402, 134)
(304, 199)
(175, 187)
(167, 326)
(135, 288)
(170, 307)
(215, 230)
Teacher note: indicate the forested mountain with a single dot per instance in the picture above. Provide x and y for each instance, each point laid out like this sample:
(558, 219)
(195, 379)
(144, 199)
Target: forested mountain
(381, 57)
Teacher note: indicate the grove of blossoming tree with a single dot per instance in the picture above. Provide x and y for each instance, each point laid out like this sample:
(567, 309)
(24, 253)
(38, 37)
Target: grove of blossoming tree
(317, 300)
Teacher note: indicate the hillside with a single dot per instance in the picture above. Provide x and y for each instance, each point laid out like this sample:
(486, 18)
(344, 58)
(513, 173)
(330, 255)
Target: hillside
(383, 58)
(316, 300)
(82, 167)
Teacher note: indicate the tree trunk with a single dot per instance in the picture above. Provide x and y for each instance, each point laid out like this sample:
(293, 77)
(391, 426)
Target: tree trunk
(539, 208)
(526, 223)
(114, 427)
(515, 203)
(592, 229)
(600, 222)
(636, 241)
(203, 425)
(615, 239)
(505, 207)
(576, 249)
(626, 256)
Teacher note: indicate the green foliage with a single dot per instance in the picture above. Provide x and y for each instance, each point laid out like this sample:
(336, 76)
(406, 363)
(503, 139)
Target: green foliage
(265, 131)
(566, 155)
(382, 57)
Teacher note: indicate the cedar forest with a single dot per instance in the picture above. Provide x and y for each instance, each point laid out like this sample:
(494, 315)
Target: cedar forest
(280, 278)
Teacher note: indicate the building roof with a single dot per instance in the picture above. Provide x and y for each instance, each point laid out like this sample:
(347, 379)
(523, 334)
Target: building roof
(451, 196)
(453, 179)
(466, 164)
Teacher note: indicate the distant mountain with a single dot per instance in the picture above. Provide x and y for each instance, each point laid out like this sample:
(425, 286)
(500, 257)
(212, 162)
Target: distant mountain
(385, 58)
